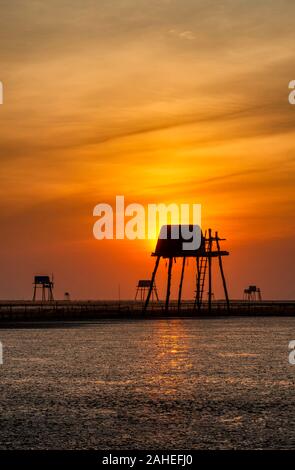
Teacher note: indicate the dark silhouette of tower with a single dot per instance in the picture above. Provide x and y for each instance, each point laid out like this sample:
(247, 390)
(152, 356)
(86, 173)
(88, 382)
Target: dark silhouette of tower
(252, 293)
(171, 248)
(142, 289)
(46, 286)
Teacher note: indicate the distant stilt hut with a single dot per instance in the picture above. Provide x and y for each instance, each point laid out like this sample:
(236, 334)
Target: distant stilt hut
(252, 294)
(45, 284)
(143, 287)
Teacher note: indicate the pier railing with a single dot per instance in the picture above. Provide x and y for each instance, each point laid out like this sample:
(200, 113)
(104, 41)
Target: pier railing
(11, 310)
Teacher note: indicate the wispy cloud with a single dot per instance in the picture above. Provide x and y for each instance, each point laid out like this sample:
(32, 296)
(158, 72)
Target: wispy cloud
(188, 35)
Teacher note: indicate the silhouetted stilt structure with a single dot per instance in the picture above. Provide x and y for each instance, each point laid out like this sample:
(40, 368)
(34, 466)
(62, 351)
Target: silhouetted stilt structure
(67, 296)
(143, 287)
(171, 248)
(46, 285)
(252, 294)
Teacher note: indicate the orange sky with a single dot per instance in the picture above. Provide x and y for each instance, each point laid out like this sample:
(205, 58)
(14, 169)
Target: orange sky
(159, 100)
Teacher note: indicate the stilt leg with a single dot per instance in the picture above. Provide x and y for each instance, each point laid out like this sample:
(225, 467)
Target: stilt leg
(168, 284)
(34, 295)
(156, 292)
(222, 273)
(210, 273)
(198, 286)
(152, 283)
(180, 284)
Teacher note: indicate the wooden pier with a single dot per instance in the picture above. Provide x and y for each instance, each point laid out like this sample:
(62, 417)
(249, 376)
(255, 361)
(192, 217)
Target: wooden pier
(14, 311)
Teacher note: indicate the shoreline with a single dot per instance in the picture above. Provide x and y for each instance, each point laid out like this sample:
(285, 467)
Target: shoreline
(16, 312)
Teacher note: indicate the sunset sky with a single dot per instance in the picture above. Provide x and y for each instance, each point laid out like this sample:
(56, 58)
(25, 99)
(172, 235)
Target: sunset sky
(157, 100)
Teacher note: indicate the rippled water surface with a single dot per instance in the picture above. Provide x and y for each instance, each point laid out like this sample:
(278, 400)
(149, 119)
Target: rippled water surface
(170, 384)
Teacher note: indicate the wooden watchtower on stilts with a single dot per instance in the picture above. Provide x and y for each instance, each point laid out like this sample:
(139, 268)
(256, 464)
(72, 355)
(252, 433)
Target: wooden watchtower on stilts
(142, 289)
(171, 248)
(252, 294)
(46, 285)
